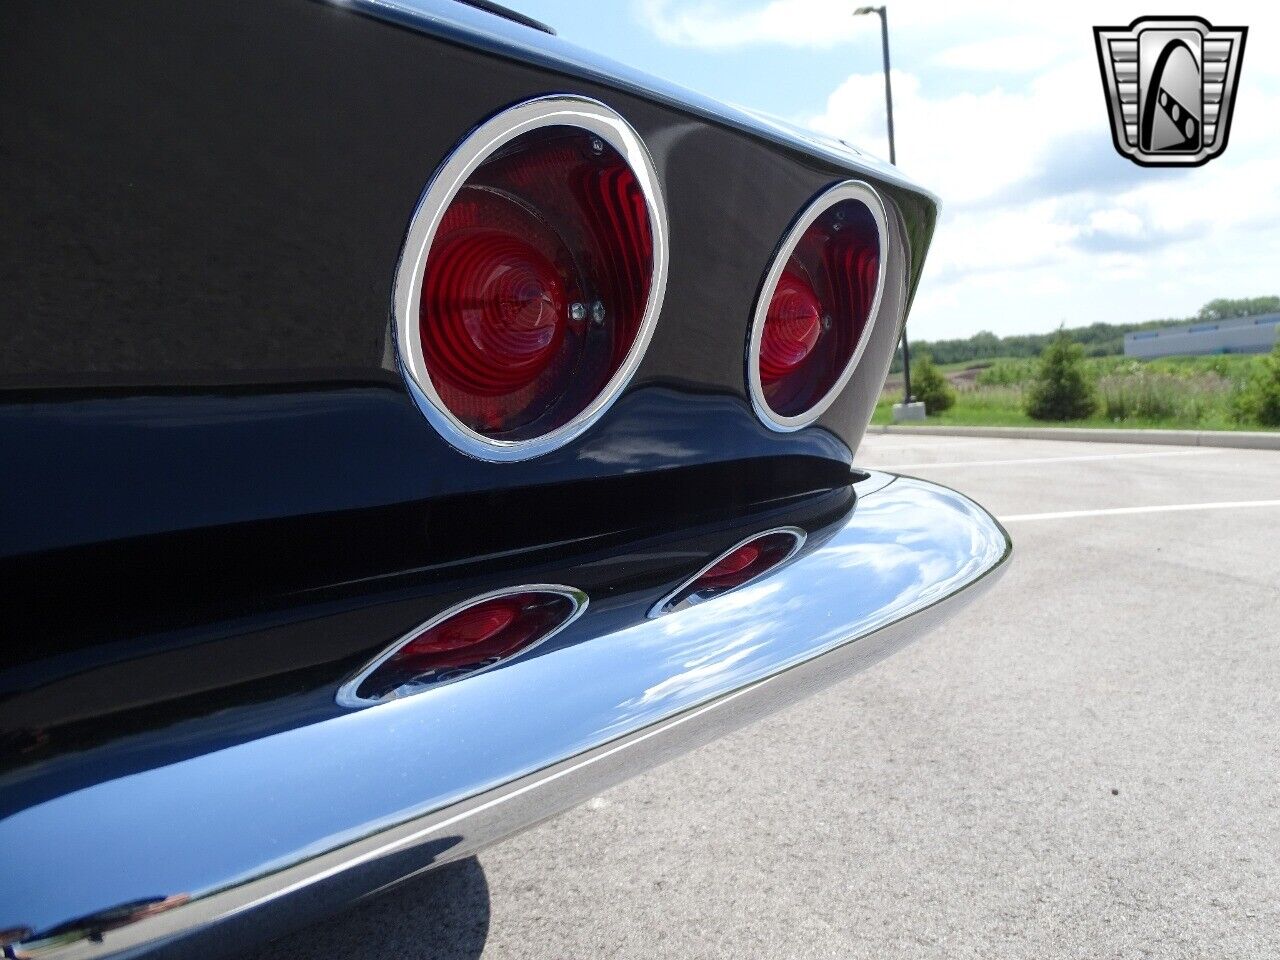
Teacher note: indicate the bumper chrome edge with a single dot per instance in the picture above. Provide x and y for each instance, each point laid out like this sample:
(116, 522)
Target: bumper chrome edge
(908, 556)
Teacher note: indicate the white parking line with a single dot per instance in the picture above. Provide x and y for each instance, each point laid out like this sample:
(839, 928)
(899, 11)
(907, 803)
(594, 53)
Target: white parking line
(1198, 452)
(879, 440)
(1118, 511)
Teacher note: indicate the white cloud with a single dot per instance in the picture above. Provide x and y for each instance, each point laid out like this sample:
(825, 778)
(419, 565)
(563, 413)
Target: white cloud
(720, 24)
(711, 25)
(1024, 53)
(999, 109)
(973, 147)
(1124, 223)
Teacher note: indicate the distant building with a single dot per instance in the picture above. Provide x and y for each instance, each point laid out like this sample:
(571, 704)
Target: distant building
(1237, 335)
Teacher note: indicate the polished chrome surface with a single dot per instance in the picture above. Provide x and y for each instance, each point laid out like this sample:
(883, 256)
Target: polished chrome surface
(479, 145)
(849, 190)
(339, 808)
(660, 608)
(348, 697)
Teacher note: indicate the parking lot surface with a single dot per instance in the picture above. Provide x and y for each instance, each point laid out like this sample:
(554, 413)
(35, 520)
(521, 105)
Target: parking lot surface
(1084, 763)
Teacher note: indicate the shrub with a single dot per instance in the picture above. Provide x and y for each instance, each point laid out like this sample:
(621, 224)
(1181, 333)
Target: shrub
(929, 385)
(1146, 395)
(1060, 390)
(1142, 396)
(1259, 400)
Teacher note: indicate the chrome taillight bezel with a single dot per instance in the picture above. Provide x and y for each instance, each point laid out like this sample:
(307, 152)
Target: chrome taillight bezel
(348, 695)
(556, 110)
(846, 190)
(798, 535)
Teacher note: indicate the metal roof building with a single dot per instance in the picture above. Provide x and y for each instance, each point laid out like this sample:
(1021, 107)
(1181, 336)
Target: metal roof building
(1237, 335)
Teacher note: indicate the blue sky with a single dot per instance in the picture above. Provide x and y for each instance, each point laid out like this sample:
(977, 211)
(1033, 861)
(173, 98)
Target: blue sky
(999, 110)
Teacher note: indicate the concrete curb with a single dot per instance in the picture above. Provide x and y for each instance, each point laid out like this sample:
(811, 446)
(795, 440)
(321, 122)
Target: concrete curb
(1187, 438)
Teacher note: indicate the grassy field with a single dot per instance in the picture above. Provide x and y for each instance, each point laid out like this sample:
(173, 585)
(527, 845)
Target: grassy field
(1190, 393)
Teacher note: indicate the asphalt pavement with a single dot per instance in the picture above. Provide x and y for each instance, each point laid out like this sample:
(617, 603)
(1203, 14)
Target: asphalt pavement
(1085, 763)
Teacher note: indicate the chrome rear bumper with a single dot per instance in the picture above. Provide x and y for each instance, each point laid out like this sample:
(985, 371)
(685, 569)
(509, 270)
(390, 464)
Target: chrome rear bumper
(199, 856)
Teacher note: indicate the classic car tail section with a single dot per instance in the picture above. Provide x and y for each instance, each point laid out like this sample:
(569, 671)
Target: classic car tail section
(394, 789)
(201, 399)
(225, 509)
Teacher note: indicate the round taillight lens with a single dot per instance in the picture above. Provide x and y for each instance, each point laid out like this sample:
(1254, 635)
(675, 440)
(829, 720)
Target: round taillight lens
(532, 277)
(465, 639)
(817, 306)
(791, 328)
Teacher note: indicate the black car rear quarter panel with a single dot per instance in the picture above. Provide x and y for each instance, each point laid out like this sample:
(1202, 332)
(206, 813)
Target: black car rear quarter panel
(218, 496)
(206, 435)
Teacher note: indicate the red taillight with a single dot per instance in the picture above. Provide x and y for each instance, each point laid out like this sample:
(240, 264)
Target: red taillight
(539, 277)
(734, 569)
(499, 315)
(729, 568)
(817, 307)
(464, 640)
(791, 328)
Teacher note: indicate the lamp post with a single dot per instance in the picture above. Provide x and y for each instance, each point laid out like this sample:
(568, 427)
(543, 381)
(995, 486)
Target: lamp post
(893, 158)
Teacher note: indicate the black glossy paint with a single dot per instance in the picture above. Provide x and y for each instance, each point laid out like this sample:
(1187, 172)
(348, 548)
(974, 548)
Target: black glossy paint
(218, 497)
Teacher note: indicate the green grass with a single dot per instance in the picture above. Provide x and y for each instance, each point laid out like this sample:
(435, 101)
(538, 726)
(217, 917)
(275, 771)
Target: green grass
(1173, 393)
(1013, 371)
(961, 365)
(1228, 365)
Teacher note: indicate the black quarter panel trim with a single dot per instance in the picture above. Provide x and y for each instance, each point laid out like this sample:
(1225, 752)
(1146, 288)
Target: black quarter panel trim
(204, 430)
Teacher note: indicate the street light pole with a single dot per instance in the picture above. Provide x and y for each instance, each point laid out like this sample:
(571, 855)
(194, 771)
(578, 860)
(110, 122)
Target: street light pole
(888, 88)
(893, 158)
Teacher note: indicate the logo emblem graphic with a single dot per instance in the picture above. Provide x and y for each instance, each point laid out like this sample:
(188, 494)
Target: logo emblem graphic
(1171, 85)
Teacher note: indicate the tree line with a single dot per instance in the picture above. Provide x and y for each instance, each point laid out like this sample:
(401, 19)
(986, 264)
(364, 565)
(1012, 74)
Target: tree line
(1095, 340)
